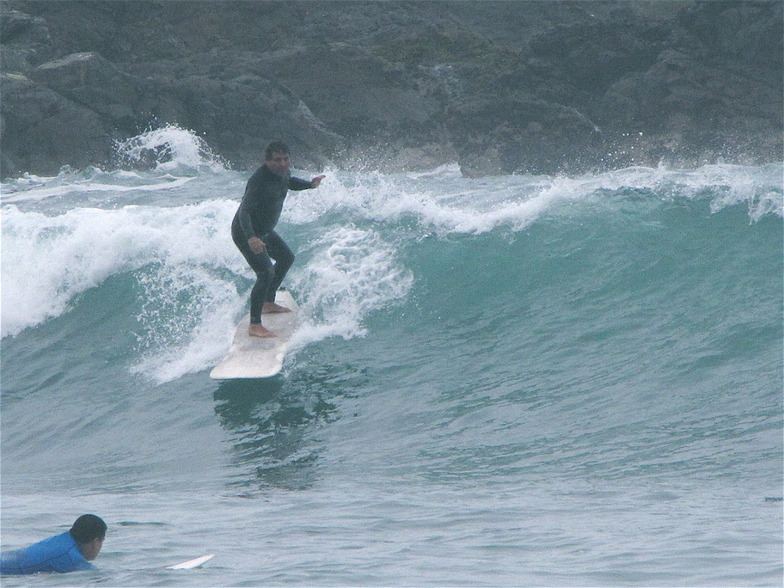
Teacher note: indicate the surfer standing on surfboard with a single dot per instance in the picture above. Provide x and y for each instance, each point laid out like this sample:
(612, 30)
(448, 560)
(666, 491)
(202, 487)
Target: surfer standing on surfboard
(252, 231)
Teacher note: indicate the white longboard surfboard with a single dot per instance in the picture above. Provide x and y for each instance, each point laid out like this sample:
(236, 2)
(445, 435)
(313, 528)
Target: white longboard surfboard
(191, 563)
(256, 357)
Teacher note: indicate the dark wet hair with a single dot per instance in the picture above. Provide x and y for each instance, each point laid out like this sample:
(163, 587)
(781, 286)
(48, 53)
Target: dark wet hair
(87, 528)
(275, 147)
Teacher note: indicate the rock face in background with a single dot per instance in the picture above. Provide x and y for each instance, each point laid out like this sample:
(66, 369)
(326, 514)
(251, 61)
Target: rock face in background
(499, 87)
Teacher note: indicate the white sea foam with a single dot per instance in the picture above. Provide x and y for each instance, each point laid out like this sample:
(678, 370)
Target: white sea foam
(194, 282)
(449, 204)
(352, 273)
(169, 148)
(51, 188)
(458, 206)
(157, 160)
(186, 321)
(48, 260)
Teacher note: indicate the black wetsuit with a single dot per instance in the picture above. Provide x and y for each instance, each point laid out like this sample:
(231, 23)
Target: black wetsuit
(257, 216)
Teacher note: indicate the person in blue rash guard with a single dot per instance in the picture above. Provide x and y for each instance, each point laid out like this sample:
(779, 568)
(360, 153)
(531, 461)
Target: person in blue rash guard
(253, 234)
(68, 552)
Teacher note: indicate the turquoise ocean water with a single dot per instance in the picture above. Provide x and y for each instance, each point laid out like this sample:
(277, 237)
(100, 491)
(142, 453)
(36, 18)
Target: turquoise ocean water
(507, 381)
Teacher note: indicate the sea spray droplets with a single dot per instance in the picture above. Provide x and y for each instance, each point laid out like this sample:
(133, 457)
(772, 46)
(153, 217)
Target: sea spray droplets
(723, 185)
(352, 273)
(185, 319)
(743, 185)
(172, 303)
(449, 205)
(168, 148)
(444, 205)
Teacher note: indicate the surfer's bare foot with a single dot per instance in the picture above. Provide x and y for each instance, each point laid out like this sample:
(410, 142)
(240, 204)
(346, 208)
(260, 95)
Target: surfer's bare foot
(257, 330)
(272, 308)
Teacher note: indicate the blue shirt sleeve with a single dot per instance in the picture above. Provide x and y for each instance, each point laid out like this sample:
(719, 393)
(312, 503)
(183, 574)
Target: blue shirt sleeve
(56, 554)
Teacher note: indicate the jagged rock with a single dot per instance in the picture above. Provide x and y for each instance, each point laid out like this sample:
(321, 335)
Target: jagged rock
(382, 100)
(500, 87)
(522, 134)
(25, 40)
(43, 131)
(92, 81)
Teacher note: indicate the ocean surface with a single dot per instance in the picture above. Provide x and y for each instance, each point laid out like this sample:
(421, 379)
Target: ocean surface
(506, 381)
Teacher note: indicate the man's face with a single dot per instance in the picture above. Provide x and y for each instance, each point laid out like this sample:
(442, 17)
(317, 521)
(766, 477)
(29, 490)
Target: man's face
(91, 549)
(279, 163)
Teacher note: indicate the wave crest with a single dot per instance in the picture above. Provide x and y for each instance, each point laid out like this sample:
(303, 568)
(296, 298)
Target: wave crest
(169, 148)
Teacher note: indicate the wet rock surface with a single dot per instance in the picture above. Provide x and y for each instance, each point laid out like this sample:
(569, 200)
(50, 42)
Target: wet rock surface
(498, 87)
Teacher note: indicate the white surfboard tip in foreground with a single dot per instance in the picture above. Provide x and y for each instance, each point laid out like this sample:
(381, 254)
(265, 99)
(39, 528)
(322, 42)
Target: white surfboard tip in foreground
(256, 357)
(191, 563)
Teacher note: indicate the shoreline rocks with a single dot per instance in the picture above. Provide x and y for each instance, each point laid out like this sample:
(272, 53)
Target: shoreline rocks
(496, 87)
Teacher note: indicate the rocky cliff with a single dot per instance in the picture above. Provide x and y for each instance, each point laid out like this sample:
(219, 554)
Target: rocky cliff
(497, 86)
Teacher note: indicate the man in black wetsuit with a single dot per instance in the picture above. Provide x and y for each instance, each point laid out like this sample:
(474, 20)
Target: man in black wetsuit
(252, 231)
